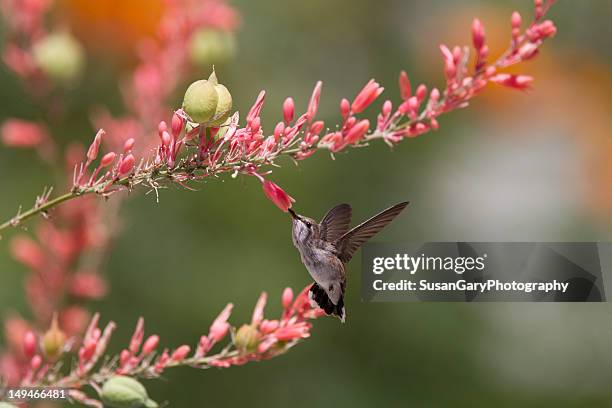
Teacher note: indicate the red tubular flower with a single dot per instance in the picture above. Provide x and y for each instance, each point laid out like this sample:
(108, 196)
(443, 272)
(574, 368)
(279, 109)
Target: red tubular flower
(277, 195)
(258, 312)
(358, 131)
(220, 327)
(94, 148)
(313, 104)
(368, 94)
(288, 110)
(150, 344)
(107, 159)
(127, 164)
(180, 353)
(404, 85)
(478, 34)
(287, 297)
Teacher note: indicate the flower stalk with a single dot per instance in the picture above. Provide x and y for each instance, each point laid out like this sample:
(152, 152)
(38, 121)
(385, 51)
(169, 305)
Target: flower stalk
(193, 151)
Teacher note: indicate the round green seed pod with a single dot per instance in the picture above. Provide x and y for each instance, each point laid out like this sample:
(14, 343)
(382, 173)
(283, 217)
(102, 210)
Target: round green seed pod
(200, 101)
(247, 338)
(208, 102)
(60, 56)
(125, 392)
(224, 105)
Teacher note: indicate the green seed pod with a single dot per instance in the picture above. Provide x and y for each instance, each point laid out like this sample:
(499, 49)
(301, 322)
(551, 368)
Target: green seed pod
(247, 338)
(224, 103)
(208, 47)
(53, 340)
(208, 102)
(60, 56)
(125, 392)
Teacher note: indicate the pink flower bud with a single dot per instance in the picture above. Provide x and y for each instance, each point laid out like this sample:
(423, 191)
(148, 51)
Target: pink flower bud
(160, 364)
(434, 95)
(204, 346)
(287, 297)
(291, 333)
(220, 327)
(268, 326)
(127, 164)
(404, 85)
(178, 123)
(137, 336)
(258, 312)
(387, 108)
(277, 195)
(345, 108)
(94, 148)
(29, 344)
(257, 107)
(358, 131)
(150, 344)
(421, 93)
(35, 362)
(478, 34)
(180, 353)
(528, 51)
(129, 145)
(313, 104)
(317, 127)
(278, 130)
(288, 110)
(87, 351)
(166, 138)
(515, 20)
(256, 124)
(368, 94)
(124, 357)
(162, 127)
(107, 159)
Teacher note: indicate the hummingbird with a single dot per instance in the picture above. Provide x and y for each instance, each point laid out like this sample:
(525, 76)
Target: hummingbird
(327, 246)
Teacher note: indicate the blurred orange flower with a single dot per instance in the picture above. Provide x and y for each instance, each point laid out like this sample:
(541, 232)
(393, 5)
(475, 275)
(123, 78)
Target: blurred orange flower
(112, 24)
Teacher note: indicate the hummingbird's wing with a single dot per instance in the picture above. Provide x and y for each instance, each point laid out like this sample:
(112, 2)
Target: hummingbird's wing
(336, 222)
(350, 242)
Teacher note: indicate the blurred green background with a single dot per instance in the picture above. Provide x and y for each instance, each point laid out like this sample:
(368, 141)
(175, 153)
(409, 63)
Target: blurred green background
(513, 167)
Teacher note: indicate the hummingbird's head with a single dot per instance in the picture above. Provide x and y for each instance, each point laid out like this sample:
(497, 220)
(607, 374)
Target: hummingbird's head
(304, 229)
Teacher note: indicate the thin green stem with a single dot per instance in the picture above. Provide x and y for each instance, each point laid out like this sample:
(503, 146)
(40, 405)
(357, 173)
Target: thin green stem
(39, 209)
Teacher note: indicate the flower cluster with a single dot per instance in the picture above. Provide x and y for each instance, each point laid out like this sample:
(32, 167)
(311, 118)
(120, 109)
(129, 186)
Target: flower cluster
(66, 254)
(261, 339)
(64, 263)
(190, 150)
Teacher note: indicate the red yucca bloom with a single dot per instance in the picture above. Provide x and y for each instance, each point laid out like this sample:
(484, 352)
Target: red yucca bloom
(261, 339)
(139, 149)
(277, 195)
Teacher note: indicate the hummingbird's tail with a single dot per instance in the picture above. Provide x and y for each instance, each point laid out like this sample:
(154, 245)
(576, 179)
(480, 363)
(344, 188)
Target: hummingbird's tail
(318, 297)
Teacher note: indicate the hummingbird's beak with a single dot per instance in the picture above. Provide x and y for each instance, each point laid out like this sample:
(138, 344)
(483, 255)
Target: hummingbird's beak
(293, 214)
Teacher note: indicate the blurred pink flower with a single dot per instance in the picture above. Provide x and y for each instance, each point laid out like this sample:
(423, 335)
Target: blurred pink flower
(20, 133)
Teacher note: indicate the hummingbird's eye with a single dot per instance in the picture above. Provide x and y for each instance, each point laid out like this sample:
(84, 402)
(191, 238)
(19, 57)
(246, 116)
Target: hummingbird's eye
(308, 225)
